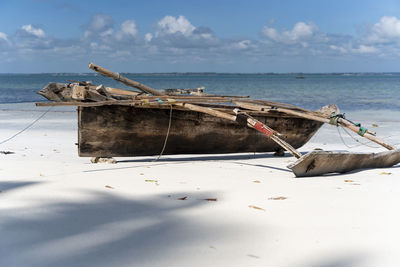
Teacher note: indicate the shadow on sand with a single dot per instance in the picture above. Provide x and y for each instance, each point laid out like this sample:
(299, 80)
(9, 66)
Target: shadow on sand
(11, 185)
(202, 157)
(178, 160)
(107, 230)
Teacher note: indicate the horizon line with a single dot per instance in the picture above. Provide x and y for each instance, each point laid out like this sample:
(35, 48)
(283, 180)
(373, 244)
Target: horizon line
(206, 72)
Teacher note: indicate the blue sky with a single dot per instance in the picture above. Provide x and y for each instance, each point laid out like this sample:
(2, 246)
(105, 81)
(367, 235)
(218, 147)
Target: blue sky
(186, 36)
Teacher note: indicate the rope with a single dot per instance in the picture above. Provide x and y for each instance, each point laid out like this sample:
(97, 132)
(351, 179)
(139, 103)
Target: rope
(358, 141)
(341, 138)
(26, 128)
(166, 137)
(333, 119)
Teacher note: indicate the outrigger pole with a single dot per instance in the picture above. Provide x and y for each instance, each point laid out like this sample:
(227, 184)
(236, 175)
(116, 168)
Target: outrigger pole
(335, 119)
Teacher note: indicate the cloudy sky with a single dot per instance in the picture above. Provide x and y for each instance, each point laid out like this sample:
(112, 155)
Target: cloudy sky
(200, 36)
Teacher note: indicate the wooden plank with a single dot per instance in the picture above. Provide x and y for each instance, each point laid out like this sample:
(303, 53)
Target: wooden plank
(79, 92)
(56, 92)
(121, 91)
(138, 103)
(322, 162)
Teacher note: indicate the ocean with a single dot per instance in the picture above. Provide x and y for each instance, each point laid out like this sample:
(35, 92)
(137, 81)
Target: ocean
(350, 91)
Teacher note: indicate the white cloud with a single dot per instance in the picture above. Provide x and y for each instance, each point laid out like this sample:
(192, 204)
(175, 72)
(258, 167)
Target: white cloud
(121, 55)
(203, 33)
(128, 32)
(270, 33)
(177, 39)
(386, 30)
(300, 32)
(101, 31)
(99, 25)
(172, 25)
(177, 33)
(100, 22)
(365, 49)
(99, 47)
(340, 49)
(106, 33)
(129, 28)
(148, 37)
(242, 45)
(349, 49)
(33, 31)
(4, 37)
(30, 39)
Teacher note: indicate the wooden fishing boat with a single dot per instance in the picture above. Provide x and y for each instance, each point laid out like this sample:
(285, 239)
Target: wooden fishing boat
(122, 128)
(116, 122)
(115, 130)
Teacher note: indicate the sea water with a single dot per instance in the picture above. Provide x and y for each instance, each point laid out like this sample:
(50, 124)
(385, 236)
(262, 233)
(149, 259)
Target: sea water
(351, 91)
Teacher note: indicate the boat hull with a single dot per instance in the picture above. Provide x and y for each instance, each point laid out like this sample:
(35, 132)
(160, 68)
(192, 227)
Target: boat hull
(124, 131)
(322, 162)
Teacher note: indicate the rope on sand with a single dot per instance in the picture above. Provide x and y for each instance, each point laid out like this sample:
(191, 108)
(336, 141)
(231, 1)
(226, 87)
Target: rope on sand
(26, 128)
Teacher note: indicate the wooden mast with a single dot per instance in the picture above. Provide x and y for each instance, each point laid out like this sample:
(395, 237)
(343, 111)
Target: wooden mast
(126, 81)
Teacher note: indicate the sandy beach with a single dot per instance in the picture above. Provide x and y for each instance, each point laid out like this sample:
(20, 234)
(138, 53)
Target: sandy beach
(57, 209)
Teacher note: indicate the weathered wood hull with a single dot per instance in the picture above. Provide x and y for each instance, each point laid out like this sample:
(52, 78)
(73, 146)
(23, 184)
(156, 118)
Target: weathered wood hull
(322, 162)
(122, 131)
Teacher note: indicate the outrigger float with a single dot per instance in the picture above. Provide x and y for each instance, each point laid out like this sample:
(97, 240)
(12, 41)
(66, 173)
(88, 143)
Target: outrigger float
(114, 122)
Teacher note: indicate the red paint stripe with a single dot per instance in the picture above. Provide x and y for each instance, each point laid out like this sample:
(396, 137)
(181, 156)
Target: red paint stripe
(264, 129)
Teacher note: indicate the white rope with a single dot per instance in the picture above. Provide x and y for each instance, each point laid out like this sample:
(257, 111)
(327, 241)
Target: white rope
(355, 139)
(166, 137)
(26, 128)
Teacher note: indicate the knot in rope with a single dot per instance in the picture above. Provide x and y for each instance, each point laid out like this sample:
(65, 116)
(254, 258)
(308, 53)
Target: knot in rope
(333, 119)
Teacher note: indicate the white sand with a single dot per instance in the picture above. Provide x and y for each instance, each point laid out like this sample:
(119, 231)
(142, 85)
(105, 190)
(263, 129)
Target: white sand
(57, 209)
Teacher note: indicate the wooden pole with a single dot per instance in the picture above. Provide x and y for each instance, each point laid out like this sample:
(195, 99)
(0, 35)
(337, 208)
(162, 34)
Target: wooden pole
(207, 110)
(126, 81)
(261, 127)
(367, 135)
